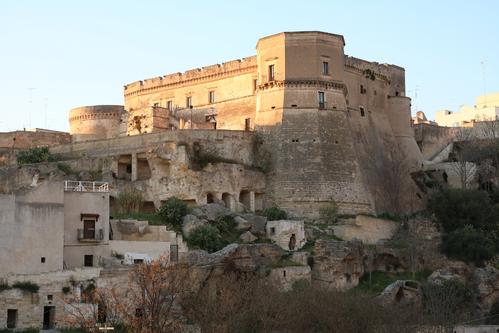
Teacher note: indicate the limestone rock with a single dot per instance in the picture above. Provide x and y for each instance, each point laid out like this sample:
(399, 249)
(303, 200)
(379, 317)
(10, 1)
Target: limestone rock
(369, 230)
(237, 257)
(300, 257)
(248, 237)
(127, 227)
(85, 176)
(214, 210)
(402, 292)
(191, 222)
(486, 281)
(454, 270)
(337, 264)
(242, 224)
(257, 223)
(285, 277)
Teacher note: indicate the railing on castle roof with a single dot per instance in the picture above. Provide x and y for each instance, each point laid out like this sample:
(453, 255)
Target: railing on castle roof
(85, 186)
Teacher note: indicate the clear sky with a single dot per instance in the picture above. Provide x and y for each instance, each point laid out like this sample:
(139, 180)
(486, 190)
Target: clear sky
(56, 55)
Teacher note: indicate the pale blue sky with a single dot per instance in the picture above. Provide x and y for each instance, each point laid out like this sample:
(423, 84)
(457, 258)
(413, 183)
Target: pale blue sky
(76, 53)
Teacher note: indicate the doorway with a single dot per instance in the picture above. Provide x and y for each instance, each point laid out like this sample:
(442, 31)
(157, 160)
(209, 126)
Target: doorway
(48, 317)
(89, 229)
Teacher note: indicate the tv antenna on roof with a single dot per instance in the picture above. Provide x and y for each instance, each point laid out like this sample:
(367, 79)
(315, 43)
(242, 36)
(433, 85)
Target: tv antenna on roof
(483, 62)
(30, 105)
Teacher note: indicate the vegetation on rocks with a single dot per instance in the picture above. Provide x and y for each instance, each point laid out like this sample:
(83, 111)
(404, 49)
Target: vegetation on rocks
(130, 200)
(36, 155)
(377, 281)
(172, 211)
(26, 286)
(329, 213)
(274, 213)
(470, 224)
(206, 237)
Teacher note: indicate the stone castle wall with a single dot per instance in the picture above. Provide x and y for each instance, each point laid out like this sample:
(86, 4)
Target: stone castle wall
(95, 122)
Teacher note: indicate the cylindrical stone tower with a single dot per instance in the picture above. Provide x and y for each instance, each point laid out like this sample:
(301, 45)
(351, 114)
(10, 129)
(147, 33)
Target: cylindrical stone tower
(95, 122)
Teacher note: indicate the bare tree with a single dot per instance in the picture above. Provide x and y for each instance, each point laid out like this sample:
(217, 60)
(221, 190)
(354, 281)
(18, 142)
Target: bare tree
(149, 304)
(464, 153)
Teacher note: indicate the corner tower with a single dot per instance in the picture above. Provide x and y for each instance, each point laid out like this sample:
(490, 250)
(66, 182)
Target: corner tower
(303, 120)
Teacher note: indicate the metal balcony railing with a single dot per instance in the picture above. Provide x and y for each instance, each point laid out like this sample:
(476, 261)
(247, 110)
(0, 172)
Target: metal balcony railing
(94, 235)
(85, 186)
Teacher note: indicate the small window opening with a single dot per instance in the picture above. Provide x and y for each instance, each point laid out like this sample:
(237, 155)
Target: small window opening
(169, 105)
(50, 297)
(325, 68)
(138, 261)
(294, 105)
(42, 260)
(188, 102)
(211, 97)
(247, 124)
(255, 84)
(271, 73)
(272, 231)
(284, 273)
(362, 112)
(322, 100)
(363, 90)
(396, 93)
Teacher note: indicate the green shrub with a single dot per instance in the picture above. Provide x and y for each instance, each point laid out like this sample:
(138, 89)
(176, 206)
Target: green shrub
(27, 286)
(172, 211)
(64, 167)
(206, 238)
(375, 282)
(152, 218)
(225, 224)
(329, 213)
(66, 290)
(469, 245)
(274, 213)
(35, 155)
(456, 208)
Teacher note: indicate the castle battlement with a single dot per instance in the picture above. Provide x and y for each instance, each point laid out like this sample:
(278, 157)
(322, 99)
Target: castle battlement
(188, 77)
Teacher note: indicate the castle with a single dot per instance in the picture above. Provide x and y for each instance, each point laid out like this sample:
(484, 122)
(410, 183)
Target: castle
(300, 125)
(327, 123)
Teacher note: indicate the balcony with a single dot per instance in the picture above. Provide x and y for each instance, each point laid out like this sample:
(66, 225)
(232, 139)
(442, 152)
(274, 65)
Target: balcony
(90, 235)
(82, 186)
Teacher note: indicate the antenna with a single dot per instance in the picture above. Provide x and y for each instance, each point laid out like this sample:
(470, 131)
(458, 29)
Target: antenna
(30, 105)
(483, 62)
(45, 113)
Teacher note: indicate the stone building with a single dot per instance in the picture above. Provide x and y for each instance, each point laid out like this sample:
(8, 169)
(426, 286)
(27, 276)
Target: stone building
(486, 108)
(326, 121)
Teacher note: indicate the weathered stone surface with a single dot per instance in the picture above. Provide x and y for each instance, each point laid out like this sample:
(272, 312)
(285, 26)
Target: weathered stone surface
(237, 257)
(337, 264)
(285, 277)
(288, 234)
(402, 292)
(486, 281)
(191, 222)
(214, 210)
(454, 270)
(257, 223)
(369, 230)
(127, 226)
(300, 257)
(242, 224)
(248, 237)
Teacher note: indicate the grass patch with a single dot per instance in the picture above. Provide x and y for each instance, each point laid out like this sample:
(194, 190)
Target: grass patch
(152, 218)
(285, 263)
(381, 280)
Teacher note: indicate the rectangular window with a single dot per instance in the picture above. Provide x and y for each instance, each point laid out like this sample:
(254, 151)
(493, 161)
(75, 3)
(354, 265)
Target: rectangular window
(42, 260)
(247, 124)
(11, 318)
(88, 260)
(271, 73)
(156, 104)
(169, 105)
(325, 68)
(255, 84)
(322, 100)
(188, 102)
(211, 97)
